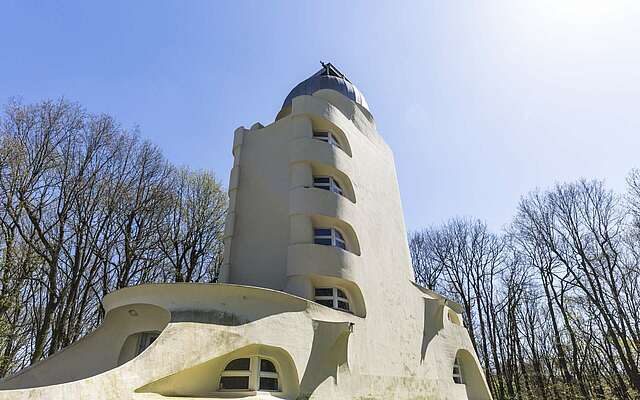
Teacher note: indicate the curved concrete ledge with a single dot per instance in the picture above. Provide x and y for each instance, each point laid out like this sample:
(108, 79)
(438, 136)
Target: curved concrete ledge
(309, 201)
(208, 296)
(307, 259)
(184, 344)
(318, 152)
(443, 300)
(224, 304)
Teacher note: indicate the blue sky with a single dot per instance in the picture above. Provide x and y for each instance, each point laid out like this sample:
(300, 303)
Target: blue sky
(480, 101)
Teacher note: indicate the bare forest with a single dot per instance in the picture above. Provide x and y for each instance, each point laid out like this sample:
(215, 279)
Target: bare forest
(88, 208)
(552, 303)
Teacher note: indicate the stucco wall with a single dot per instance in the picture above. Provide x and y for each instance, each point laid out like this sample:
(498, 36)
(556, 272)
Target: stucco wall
(95, 353)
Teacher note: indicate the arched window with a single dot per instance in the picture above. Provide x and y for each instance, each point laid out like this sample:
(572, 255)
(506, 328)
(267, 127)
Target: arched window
(332, 297)
(327, 183)
(250, 374)
(329, 237)
(457, 372)
(328, 137)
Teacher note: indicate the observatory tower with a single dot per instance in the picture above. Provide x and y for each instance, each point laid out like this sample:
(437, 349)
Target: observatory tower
(314, 203)
(316, 298)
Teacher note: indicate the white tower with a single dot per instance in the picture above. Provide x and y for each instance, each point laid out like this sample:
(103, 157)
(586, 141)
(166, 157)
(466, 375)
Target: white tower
(315, 208)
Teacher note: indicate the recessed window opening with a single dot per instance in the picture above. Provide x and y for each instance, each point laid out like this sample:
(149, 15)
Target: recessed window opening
(329, 237)
(327, 183)
(146, 339)
(327, 137)
(250, 374)
(457, 372)
(332, 297)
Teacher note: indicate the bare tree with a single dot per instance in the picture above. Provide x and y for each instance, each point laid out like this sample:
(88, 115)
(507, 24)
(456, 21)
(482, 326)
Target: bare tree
(552, 305)
(191, 236)
(427, 268)
(87, 207)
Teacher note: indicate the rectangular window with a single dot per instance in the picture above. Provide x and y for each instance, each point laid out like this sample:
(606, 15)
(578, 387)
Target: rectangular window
(324, 136)
(457, 372)
(332, 297)
(324, 292)
(322, 182)
(327, 183)
(328, 303)
(234, 383)
(329, 237)
(270, 384)
(322, 232)
(322, 236)
(327, 137)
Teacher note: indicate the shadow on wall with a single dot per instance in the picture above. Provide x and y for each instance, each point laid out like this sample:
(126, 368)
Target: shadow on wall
(328, 353)
(472, 376)
(219, 304)
(433, 323)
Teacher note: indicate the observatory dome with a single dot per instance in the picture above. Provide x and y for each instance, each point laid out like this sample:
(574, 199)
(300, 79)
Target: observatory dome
(327, 78)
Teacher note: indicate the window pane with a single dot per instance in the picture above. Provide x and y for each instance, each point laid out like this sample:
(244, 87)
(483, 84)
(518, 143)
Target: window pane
(322, 232)
(146, 339)
(337, 188)
(321, 180)
(234, 382)
(338, 235)
(240, 364)
(340, 243)
(341, 293)
(268, 384)
(334, 140)
(328, 303)
(267, 366)
(324, 136)
(324, 292)
(343, 305)
(324, 242)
